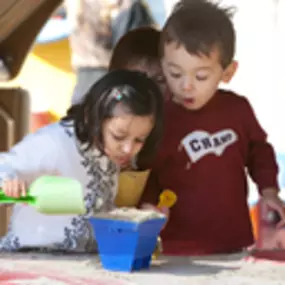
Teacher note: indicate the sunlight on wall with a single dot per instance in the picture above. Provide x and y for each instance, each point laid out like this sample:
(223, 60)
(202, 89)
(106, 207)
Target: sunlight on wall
(48, 76)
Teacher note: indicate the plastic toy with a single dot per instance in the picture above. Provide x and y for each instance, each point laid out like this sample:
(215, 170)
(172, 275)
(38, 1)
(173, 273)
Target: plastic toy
(167, 199)
(53, 195)
(126, 245)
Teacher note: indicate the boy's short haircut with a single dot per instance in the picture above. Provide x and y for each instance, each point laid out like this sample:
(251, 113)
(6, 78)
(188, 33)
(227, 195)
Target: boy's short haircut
(200, 26)
(137, 47)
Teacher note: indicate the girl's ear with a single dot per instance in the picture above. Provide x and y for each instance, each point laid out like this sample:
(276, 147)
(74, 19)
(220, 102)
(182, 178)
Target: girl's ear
(230, 71)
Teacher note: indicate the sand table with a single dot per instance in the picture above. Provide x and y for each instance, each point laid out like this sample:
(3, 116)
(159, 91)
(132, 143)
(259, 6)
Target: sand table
(78, 269)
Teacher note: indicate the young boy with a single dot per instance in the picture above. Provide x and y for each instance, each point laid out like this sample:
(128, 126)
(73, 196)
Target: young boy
(212, 138)
(137, 50)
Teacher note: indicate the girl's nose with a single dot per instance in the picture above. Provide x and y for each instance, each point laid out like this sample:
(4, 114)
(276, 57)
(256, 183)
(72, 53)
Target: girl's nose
(127, 148)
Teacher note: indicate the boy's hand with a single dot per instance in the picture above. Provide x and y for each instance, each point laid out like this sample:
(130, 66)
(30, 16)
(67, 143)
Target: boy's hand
(162, 210)
(14, 188)
(271, 198)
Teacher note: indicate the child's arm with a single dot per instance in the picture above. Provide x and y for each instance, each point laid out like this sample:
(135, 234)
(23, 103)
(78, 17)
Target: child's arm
(261, 162)
(36, 153)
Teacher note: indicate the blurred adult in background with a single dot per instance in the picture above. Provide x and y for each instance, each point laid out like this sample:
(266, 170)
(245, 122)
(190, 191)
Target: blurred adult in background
(90, 41)
(96, 25)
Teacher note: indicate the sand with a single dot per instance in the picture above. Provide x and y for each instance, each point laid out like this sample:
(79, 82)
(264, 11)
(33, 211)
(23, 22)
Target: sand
(131, 214)
(215, 270)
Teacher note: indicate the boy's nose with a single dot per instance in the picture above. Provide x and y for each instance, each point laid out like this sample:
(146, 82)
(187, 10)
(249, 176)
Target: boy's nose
(187, 85)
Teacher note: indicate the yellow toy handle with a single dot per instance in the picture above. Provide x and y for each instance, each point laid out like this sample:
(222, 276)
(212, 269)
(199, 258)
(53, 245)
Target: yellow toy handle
(167, 199)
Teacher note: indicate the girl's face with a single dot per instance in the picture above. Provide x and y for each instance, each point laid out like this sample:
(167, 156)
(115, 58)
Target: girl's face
(124, 135)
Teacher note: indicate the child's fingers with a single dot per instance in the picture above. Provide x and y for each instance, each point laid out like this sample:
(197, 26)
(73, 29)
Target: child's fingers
(7, 187)
(277, 205)
(281, 212)
(163, 210)
(281, 224)
(14, 188)
(22, 187)
(150, 207)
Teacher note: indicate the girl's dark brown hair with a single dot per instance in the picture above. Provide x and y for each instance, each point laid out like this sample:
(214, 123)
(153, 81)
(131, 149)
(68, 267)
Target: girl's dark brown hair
(139, 96)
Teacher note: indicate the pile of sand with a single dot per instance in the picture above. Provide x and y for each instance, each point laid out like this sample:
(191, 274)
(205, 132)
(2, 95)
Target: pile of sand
(131, 214)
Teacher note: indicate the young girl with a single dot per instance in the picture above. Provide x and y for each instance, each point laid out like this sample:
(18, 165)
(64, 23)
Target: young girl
(120, 116)
(137, 50)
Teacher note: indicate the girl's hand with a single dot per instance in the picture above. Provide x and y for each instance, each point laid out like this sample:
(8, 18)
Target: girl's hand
(271, 198)
(14, 188)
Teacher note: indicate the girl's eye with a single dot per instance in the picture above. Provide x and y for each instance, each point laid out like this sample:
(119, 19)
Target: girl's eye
(201, 78)
(118, 138)
(175, 75)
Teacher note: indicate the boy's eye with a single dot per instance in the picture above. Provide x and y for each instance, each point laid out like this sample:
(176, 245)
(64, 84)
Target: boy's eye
(201, 77)
(140, 141)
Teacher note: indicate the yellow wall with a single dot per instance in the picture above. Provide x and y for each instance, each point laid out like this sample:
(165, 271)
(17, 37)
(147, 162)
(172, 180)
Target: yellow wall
(48, 76)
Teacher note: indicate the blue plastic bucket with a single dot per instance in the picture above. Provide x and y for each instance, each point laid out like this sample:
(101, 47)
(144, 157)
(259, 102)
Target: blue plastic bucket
(126, 245)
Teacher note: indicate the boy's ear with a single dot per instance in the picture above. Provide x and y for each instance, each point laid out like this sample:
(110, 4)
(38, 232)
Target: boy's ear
(230, 71)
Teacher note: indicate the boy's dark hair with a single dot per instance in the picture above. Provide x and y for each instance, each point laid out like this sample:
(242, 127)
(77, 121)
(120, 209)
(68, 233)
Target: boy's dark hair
(200, 26)
(138, 94)
(137, 47)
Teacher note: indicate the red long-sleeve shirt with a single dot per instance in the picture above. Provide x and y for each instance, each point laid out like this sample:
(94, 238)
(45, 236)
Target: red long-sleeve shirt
(204, 158)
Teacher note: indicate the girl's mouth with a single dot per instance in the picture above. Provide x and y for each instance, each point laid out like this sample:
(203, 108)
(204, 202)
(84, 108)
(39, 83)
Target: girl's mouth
(123, 161)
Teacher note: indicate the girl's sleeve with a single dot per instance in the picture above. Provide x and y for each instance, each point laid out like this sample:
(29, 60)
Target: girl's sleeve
(36, 153)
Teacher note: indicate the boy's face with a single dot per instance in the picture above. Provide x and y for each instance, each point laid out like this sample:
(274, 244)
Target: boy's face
(193, 79)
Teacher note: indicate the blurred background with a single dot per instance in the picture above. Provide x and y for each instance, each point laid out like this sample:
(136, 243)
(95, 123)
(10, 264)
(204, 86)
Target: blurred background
(260, 25)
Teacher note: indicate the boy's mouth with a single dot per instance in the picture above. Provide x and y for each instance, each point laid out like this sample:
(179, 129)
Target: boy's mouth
(189, 101)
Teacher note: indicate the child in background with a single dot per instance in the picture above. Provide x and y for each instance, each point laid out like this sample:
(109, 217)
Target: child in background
(119, 116)
(137, 50)
(212, 138)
